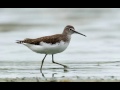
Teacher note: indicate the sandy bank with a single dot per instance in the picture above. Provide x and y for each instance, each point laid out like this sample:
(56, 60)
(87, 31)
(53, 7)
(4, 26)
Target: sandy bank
(35, 79)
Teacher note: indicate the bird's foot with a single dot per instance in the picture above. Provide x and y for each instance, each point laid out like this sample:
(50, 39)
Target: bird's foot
(65, 66)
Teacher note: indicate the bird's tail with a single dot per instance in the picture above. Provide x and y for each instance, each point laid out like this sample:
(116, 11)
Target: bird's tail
(19, 41)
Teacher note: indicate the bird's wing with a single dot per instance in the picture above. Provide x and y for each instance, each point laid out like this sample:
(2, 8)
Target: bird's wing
(47, 39)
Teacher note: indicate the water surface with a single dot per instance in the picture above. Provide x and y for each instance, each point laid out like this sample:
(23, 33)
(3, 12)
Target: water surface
(94, 56)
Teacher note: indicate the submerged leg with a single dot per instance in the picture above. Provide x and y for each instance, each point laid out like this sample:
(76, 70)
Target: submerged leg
(43, 62)
(58, 63)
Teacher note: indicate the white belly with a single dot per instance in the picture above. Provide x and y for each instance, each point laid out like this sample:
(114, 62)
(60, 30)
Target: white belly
(45, 48)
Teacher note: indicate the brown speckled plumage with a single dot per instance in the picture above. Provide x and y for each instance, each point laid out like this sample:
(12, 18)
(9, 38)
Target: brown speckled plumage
(68, 30)
(47, 39)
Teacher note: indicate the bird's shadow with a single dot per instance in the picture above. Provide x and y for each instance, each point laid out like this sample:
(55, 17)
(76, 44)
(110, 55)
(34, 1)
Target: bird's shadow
(52, 76)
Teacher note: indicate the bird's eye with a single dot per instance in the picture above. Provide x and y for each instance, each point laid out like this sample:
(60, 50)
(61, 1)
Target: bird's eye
(70, 29)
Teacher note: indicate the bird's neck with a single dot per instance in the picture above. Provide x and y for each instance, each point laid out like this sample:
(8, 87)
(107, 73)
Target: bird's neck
(68, 38)
(67, 35)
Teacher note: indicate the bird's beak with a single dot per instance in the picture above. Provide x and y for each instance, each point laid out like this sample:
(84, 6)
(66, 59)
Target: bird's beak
(79, 33)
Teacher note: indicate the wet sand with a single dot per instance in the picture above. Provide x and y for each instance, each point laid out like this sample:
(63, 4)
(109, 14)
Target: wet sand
(84, 72)
(35, 79)
(95, 58)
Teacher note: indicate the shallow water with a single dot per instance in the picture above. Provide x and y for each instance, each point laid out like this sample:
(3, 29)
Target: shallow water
(94, 56)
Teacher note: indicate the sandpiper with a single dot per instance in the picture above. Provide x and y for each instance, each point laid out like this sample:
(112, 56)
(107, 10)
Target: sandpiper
(51, 44)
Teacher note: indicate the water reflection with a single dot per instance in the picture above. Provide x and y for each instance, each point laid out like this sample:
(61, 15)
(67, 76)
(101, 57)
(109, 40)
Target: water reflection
(101, 25)
(52, 75)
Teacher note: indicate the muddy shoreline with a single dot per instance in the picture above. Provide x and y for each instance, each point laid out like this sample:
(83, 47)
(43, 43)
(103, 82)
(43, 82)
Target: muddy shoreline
(35, 79)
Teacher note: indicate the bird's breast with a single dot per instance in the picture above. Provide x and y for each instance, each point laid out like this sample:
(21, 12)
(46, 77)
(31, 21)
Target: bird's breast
(47, 48)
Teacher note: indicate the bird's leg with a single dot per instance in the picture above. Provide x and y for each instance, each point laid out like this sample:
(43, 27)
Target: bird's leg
(43, 62)
(58, 63)
(43, 76)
